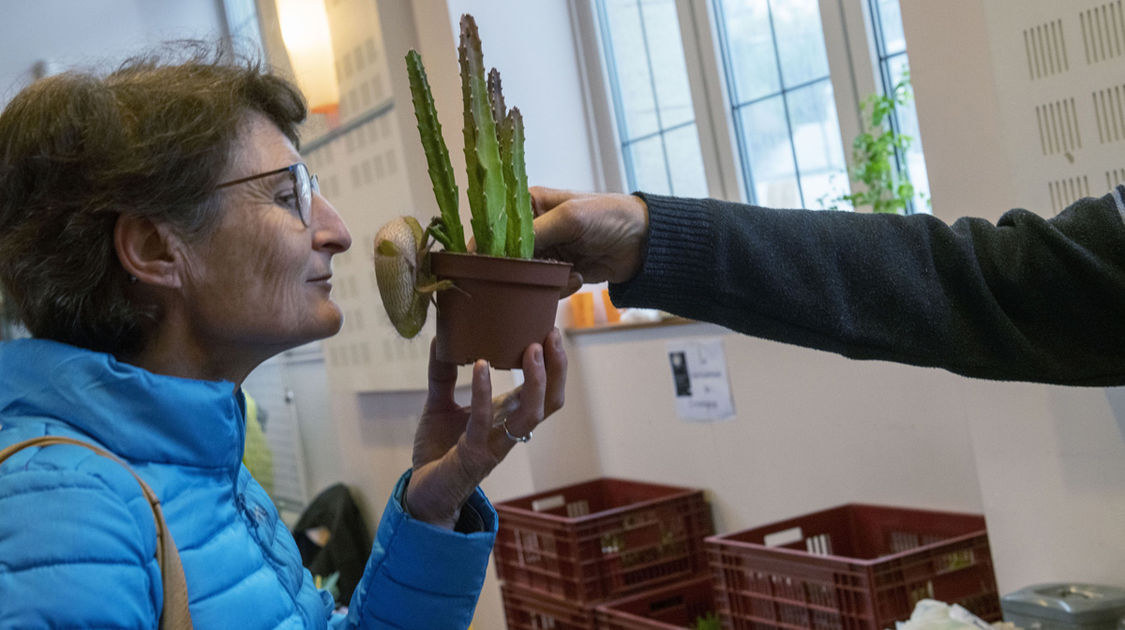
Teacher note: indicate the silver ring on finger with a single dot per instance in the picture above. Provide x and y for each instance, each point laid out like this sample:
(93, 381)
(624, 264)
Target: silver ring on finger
(516, 438)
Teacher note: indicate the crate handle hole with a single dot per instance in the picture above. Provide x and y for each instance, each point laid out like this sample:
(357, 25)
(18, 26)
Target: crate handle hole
(784, 537)
(548, 503)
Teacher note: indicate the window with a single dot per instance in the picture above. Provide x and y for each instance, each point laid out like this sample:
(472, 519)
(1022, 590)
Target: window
(890, 46)
(652, 99)
(751, 100)
(242, 24)
(782, 101)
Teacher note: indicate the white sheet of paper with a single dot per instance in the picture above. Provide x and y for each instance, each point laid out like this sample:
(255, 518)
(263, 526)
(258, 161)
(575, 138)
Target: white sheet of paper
(699, 379)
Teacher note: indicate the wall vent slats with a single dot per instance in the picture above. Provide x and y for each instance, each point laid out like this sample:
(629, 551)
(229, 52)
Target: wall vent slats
(1068, 190)
(1114, 177)
(1103, 31)
(1045, 48)
(1059, 132)
(1109, 112)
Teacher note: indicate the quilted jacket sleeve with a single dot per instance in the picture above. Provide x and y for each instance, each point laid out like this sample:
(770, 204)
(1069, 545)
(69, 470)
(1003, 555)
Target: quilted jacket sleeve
(419, 575)
(74, 553)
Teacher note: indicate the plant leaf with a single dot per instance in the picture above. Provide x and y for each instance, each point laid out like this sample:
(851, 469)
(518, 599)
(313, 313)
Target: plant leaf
(437, 155)
(521, 235)
(487, 190)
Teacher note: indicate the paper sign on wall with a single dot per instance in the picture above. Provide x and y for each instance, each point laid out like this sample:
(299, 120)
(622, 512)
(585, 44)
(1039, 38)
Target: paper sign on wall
(699, 378)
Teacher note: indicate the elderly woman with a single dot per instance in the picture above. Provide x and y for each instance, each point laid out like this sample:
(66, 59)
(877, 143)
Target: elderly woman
(161, 238)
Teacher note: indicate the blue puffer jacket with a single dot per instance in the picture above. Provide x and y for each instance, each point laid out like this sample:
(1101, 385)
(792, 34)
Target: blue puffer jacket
(77, 539)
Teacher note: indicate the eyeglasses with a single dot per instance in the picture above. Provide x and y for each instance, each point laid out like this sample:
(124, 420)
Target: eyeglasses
(304, 185)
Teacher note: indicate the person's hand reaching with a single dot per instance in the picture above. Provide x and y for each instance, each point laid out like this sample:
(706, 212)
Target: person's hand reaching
(602, 235)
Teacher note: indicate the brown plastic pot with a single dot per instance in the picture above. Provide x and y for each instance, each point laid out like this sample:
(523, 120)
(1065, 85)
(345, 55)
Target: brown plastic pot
(498, 306)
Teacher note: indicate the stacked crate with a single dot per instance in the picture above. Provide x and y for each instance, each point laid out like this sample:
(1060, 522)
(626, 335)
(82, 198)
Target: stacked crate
(563, 552)
(854, 567)
(673, 607)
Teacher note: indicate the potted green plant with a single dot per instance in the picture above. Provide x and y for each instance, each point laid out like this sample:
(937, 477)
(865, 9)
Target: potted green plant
(492, 302)
(886, 189)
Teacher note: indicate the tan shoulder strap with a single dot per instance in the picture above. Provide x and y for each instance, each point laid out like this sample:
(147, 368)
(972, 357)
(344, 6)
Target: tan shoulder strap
(175, 615)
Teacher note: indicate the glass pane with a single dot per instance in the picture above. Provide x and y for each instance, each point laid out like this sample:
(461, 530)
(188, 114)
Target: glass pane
(765, 138)
(907, 117)
(816, 139)
(649, 172)
(749, 47)
(629, 67)
(685, 161)
(666, 51)
(800, 41)
(890, 22)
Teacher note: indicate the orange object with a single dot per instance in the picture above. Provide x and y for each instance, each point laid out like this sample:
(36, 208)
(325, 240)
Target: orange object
(612, 315)
(582, 310)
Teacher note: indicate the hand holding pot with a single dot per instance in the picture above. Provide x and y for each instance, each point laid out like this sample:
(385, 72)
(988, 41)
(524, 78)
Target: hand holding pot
(603, 235)
(456, 447)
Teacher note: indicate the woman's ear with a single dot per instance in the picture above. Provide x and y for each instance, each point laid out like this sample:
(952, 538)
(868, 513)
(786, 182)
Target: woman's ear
(148, 251)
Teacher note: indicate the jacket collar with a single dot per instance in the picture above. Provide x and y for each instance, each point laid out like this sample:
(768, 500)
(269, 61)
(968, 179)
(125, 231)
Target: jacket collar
(134, 413)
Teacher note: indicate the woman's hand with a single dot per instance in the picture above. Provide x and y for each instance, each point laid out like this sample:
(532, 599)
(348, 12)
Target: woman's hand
(602, 235)
(456, 447)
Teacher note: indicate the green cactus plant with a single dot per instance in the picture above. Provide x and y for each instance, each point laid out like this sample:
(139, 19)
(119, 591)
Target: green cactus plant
(499, 201)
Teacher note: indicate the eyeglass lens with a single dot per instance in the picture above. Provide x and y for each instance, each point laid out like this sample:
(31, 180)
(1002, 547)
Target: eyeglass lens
(305, 188)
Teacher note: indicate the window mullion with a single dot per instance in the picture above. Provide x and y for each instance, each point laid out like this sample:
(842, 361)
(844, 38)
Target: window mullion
(785, 104)
(602, 119)
(713, 119)
(846, 24)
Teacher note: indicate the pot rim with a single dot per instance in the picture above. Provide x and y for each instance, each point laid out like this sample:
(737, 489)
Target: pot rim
(535, 271)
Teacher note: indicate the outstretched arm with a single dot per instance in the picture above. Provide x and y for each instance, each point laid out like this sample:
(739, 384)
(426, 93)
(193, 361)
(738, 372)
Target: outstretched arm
(1026, 298)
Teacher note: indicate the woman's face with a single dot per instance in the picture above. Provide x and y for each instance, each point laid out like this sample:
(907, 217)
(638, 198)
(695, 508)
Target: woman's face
(259, 283)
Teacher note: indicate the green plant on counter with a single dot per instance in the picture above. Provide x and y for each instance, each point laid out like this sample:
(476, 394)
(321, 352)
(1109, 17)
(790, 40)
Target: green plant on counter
(886, 189)
(710, 621)
(499, 201)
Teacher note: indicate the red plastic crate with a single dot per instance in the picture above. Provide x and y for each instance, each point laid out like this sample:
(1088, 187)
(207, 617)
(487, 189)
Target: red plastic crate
(602, 538)
(855, 567)
(675, 606)
(525, 609)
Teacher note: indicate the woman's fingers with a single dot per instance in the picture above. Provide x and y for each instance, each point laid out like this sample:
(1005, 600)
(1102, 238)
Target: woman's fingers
(522, 422)
(443, 381)
(556, 365)
(480, 418)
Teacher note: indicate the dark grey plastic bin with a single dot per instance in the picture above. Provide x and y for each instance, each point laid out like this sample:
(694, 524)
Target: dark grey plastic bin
(1065, 606)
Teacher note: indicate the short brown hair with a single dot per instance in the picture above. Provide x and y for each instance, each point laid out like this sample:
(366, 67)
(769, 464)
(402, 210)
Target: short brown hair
(78, 150)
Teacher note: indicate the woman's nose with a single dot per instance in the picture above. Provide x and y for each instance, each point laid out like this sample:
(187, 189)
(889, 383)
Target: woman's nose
(329, 231)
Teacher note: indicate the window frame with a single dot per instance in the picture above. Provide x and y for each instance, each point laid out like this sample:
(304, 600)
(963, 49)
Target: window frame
(881, 61)
(853, 67)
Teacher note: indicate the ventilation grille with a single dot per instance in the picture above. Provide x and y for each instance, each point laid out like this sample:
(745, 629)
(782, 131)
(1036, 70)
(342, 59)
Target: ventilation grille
(1114, 178)
(1068, 190)
(1058, 127)
(1109, 109)
(1103, 32)
(1046, 50)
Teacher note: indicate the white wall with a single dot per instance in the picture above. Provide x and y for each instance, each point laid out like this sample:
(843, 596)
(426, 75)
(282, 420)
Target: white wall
(1050, 460)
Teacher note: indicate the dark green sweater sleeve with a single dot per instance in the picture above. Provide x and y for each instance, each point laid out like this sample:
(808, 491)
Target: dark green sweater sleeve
(1028, 298)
